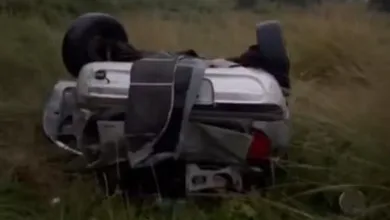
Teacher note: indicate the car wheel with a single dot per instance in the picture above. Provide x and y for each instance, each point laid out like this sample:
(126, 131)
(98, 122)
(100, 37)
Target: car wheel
(273, 51)
(81, 42)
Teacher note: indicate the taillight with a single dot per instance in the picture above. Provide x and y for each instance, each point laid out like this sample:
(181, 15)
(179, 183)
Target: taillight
(260, 148)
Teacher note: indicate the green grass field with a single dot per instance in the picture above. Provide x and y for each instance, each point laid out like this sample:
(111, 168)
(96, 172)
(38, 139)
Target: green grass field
(340, 102)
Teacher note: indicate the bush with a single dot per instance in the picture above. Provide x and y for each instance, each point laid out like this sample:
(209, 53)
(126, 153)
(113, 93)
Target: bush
(53, 10)
(383, 5)
(177, 5)
(246, 4)
(260, 5)
(59, 10)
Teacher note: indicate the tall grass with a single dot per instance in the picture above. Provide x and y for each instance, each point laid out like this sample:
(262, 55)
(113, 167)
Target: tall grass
(340, 111)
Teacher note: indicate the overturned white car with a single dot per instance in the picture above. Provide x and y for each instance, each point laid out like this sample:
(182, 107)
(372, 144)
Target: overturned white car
(170, 123)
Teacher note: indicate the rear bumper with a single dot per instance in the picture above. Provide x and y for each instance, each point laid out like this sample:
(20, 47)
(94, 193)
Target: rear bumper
(179, 179)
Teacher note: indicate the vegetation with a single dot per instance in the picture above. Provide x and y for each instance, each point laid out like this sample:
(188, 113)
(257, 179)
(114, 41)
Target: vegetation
(340, 106)
(380, 4)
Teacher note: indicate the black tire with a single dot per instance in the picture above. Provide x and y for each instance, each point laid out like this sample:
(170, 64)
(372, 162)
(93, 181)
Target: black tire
(76, 44)
(271, 46)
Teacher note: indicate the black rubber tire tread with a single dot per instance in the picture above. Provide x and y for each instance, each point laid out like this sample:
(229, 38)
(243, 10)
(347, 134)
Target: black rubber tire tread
(270, 40)
(271, 45)
(82, 30)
